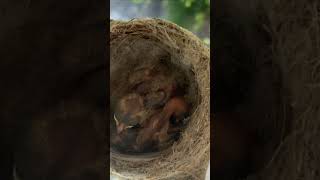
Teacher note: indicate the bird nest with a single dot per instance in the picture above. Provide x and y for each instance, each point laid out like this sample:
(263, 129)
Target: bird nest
(164, 46)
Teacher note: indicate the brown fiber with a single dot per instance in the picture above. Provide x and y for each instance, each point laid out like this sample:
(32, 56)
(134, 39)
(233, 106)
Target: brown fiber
(139, 41)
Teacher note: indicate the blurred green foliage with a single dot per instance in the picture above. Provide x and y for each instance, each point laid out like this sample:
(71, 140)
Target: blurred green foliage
(190, 14)
(141, 1)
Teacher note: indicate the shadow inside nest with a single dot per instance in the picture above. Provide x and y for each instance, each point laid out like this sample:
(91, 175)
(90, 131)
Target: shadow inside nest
(152, 111)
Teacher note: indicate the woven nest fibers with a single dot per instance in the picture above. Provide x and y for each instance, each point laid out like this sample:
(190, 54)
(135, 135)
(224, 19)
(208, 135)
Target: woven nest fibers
(157, 43)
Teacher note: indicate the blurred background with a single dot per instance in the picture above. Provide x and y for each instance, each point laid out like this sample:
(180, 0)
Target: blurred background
(193, 15)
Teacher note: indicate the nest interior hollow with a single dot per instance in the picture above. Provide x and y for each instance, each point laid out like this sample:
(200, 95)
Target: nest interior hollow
(148, 42)
(143, 53)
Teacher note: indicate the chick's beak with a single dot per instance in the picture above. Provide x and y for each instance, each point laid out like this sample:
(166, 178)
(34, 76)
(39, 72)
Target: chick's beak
(120, 126)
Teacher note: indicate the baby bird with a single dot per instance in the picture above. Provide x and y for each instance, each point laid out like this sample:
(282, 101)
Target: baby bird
(140, 75)
(124, 140)
(155, 130)
(129, 112)
(148, 106)
(156, 86)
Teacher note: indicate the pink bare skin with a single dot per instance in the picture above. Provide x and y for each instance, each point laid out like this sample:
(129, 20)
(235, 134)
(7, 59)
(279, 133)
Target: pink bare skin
(157, 128)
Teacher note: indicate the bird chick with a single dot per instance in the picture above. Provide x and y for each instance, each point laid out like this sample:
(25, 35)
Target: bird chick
(163, 85)
(124, 139)
(157, 127)
(129, 111)
(140, 75)
(155, 85)
(176, 106)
